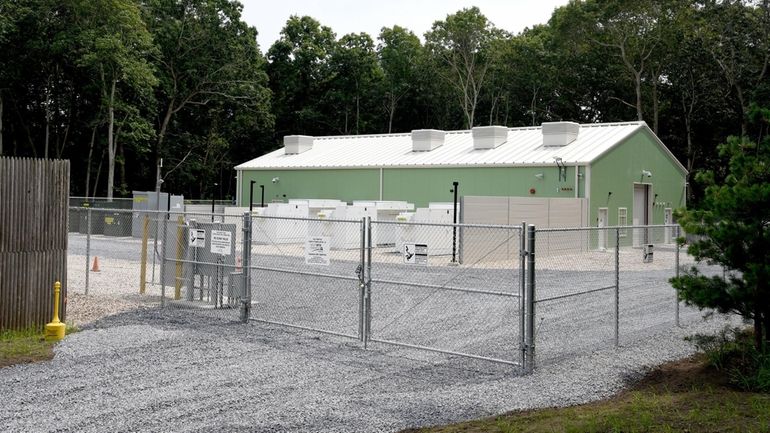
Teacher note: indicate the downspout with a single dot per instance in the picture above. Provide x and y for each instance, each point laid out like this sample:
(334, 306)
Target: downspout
(577, 181)
(380, 184)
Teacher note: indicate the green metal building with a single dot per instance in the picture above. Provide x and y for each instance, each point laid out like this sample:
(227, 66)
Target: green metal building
(623, 171)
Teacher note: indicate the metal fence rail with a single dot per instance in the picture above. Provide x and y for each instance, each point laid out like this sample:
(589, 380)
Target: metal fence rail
(507, 294)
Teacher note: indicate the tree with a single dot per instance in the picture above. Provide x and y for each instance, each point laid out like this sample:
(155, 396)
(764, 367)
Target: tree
(734, 226)
(399, 52)
(356, 72)
(207, 57)
(114, 45)
(738, 37)
(299, 71)
(460, 43)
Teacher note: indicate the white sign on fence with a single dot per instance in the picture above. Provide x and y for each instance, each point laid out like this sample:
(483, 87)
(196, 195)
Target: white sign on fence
(221, 242)
(197, 238)
(416, 254)
(317, 250)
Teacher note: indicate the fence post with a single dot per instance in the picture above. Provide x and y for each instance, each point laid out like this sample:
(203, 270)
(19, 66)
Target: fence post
(163, 249)
(143, 255)
(361, 281)
(617, 287)
(522, 290)
(676, 274)
(88, 245)
(368, 292)
(246, 263)
(530, 298)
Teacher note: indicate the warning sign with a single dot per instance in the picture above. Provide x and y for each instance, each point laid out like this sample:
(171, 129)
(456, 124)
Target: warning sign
(196, 238)
(416, 254)
(221, 242)
(317, 250)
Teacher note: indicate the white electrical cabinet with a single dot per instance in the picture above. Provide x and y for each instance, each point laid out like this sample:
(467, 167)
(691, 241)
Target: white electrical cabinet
(277, 230)
(385, 234)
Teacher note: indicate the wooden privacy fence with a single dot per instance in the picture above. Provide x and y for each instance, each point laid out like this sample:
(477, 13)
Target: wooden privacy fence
(34, 195)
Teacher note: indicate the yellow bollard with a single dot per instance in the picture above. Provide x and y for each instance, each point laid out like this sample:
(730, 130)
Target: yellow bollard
(54, 331)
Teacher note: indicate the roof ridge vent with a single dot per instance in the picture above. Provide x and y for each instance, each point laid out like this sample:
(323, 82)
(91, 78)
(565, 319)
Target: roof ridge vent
(558, 134)
(296, 144)
(425, 140)
(489, 137)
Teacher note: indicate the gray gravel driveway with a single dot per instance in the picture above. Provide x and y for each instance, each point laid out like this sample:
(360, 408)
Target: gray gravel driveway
(173, 370)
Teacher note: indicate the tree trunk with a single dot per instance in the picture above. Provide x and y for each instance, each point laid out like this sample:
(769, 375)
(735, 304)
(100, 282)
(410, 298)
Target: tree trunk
(111, 141)
(358, 112)
(1, 122)
(88, 164)
(758, 339)
(655, 105)
(638, 83)
(392, 111)
(98, 173)
(163, 129)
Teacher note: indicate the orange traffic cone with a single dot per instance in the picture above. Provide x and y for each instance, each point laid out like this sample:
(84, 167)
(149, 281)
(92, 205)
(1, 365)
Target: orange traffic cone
(95, 267)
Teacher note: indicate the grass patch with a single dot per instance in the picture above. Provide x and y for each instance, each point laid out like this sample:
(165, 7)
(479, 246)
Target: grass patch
(684, 396)
(25, 346)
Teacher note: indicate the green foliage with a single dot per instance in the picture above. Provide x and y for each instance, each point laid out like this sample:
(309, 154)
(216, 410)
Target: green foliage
(733, 229)
(190, 81)
(733, 352)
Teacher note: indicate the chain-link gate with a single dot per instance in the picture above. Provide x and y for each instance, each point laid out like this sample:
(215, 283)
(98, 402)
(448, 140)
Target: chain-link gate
(308, 273)
(449, 288)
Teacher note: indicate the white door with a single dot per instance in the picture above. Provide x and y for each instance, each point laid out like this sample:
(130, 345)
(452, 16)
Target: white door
(667, 220)
(641, 213)
(601, 222)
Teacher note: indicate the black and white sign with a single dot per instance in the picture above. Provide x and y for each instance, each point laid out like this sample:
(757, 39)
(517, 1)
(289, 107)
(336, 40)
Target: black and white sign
(317, 250)
(221, 242)
(416, 254)
(197, 238)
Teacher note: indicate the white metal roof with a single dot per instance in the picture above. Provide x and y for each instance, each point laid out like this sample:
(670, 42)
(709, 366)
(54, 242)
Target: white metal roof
(524, 146)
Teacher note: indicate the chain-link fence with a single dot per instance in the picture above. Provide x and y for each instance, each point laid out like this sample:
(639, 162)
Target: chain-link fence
(447, 288)
(494, 293)
(307, 273)
(604, 287)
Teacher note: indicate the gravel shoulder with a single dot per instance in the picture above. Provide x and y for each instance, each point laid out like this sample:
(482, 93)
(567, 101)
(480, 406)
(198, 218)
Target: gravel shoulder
(173, 370)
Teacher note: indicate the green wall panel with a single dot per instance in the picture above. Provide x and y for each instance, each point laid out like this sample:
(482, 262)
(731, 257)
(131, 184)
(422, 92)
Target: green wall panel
(421, 186)
(346, 185)
(618, 170)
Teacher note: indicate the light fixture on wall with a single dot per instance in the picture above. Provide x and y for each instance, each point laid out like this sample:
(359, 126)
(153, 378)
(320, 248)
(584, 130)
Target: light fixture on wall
(646, 173)
(539, 176)
(276, 179)
(562, 168)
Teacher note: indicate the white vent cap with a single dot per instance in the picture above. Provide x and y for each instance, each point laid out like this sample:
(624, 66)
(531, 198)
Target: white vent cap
(557, 134)
(296, 144)
(489, 137)
(425, 140)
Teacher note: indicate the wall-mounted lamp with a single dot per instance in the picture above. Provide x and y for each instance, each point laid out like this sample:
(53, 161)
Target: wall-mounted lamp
(540, 176)
(562, 168)
(276, 179)
(646, 173)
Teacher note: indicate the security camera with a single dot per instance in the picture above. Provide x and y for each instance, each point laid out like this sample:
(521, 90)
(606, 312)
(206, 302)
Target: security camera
(646, 173)
(275, 180)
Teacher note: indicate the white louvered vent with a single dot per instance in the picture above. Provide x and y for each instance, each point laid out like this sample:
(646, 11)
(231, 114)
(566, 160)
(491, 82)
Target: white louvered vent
(296, 144)
(425, 140)
(489, 137)
(558, 134)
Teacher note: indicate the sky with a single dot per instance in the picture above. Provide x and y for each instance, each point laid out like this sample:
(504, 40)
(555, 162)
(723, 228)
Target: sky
(353, 16)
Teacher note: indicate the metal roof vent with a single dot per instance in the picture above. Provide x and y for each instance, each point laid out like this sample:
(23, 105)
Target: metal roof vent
(425, 140)
(489, 137)
(557, 134)
(296, 144)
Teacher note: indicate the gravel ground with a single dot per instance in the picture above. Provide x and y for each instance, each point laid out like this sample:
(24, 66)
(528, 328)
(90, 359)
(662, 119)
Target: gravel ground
(171, 370)
(145, 369)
